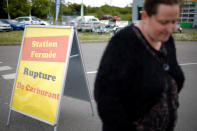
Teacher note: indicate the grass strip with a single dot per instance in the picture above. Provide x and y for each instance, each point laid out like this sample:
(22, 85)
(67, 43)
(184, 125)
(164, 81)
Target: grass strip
(15, 37)
(189, 36)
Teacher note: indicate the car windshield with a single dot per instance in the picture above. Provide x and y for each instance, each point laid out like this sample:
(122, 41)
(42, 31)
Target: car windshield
(1, 22)
(14, 21)
(39, 19)
(94, 20)
(35, 18)
(26, 19)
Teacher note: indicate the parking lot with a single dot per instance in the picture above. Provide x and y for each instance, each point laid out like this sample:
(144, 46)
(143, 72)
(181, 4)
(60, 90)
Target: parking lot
(76, 115)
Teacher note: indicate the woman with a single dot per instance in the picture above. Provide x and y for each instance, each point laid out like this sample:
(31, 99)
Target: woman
(138, 80)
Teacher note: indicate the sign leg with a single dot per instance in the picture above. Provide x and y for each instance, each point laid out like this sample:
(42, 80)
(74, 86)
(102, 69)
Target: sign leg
(55, 128)
(9, 114)
(92, 107)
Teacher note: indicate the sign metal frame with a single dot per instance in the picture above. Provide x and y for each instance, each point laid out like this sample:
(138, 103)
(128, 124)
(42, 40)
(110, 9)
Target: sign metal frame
(73, 34)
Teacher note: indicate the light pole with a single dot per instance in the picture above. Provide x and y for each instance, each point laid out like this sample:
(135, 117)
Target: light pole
(30, 2)
(8, 10)
(111, 7)
(49, 9)
(57, 10)
(82, 11)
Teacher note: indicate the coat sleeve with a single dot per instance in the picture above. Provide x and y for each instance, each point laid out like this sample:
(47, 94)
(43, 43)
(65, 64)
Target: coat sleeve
(176, 71)
(110, 79)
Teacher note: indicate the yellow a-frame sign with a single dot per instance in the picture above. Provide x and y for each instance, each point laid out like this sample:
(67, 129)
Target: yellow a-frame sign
(50, 58)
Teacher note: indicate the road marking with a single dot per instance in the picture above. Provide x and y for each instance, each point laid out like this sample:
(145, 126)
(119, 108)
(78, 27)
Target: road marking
(1, 62)
(91, 72)
(13, 76)
(9, 76)
(188, 64)
(6, 103)
(3, 68)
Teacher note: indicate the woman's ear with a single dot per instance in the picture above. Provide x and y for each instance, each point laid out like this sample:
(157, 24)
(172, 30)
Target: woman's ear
(144, 15)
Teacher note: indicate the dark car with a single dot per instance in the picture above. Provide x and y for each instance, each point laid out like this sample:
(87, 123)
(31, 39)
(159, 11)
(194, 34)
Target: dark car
(14, 24)
(111, 18)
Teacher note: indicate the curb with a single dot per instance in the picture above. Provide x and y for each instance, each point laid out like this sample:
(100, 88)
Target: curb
(9, 44)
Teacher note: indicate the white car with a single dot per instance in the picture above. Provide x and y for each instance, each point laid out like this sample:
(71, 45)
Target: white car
(87, 23)
(31, 20)
(42, 22)
(4, 26)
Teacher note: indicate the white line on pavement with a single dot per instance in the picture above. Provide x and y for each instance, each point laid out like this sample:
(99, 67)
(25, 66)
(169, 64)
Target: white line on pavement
(188, 64)
(12, 76)
(1, 62)
(9, 76)
(94, 72)
(3, 68)
(91, 72)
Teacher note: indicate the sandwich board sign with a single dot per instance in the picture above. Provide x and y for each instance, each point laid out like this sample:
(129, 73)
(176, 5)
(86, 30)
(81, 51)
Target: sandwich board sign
(47, 54)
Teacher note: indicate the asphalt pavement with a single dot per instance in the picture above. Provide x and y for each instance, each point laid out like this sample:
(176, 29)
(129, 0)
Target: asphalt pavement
(75, 114)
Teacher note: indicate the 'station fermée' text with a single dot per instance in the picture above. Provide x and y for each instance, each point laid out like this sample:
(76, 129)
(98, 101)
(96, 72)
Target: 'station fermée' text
(43, 44)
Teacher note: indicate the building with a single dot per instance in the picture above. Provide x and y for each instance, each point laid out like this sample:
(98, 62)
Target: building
(137, 7)
(188, 15)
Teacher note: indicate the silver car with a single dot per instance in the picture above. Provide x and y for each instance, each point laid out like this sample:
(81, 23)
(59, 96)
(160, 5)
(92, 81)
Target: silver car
(4, 26)
(31, 20)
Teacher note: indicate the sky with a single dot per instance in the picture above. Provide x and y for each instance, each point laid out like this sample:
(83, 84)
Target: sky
(98, 3)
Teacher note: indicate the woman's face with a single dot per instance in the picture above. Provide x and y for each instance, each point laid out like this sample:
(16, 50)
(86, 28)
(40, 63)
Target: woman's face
(161, 25)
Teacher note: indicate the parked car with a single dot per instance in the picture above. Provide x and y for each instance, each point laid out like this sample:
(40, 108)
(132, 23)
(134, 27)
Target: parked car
(111, 28)
(122, 24)
(87, 23)
(99, 28)
(112, 18)
(4, 26)
(31, 20)
(14, 24)
(42, 22)
(116, 18)
(91, 19)
(107, 17)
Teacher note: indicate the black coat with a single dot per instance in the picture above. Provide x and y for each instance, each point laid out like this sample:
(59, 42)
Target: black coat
(130, 80)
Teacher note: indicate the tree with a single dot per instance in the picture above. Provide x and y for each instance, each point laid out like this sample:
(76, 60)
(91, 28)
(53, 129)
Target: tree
(124, 13)
(44, 8)
(100, 13)
(18, 8)
(3, 9)
(40, 8)
(107, 9)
